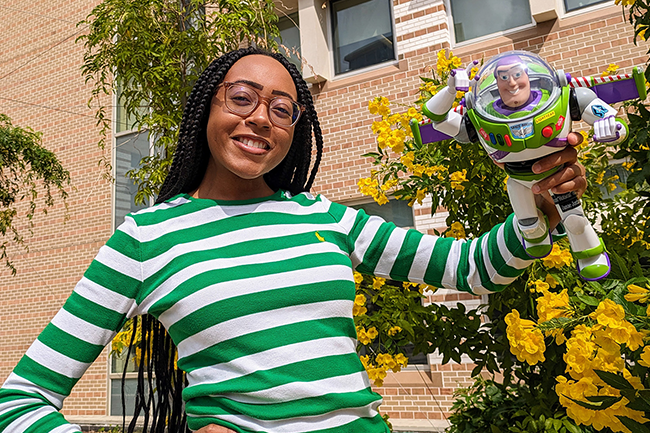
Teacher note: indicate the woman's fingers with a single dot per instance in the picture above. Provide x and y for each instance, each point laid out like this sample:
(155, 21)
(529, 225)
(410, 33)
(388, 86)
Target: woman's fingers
(568, 155)
(570, 178)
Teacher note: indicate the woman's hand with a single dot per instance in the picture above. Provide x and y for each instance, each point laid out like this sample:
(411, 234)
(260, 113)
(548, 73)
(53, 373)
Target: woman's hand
(213, 428)
(570, 178)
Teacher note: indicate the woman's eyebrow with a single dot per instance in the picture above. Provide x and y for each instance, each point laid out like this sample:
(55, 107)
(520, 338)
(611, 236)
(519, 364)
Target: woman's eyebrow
(260, 87)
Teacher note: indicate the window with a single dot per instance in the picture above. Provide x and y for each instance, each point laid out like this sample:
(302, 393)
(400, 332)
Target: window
(572, 5)
(130, 385)
(289, 27)
(492, 16)
(130, 147)
(362, 34)
(396, 211)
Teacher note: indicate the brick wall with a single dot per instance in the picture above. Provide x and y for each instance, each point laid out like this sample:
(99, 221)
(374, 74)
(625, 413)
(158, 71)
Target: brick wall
(41, 87)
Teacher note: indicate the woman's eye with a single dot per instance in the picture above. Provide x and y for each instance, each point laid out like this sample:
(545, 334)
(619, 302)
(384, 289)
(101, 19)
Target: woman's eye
(242, 98)
(282, 109)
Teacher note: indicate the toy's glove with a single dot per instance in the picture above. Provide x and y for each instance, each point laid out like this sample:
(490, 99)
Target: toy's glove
(459, 78)
(606, 129)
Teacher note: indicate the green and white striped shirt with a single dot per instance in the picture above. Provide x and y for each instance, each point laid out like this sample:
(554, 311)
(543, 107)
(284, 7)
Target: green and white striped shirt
(258, 296)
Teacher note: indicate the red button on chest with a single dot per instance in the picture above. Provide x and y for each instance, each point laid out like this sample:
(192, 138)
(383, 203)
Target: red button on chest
(547, 131)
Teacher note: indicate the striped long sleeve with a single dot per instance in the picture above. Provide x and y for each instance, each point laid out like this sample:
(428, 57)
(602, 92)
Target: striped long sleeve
(257, 295)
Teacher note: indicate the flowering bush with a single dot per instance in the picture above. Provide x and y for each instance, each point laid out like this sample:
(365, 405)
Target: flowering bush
(574, 352)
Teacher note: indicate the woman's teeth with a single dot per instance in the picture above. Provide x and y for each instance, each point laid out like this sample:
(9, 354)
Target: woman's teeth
(253, 143)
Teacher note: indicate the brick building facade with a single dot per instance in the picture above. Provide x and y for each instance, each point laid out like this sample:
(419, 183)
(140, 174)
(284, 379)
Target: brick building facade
(41, 87)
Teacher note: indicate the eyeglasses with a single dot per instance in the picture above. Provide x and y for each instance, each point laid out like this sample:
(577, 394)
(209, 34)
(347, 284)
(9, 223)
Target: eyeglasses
(243, 99)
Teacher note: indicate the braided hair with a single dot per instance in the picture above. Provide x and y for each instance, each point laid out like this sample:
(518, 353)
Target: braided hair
(160, 384)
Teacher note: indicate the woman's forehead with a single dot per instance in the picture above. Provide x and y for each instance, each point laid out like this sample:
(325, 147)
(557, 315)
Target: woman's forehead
(264, 70)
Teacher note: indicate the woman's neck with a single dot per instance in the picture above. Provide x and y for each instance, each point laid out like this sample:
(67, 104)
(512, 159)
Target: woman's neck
(232, 188)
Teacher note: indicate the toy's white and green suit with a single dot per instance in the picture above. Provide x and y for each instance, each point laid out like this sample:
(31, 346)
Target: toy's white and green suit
(518, 137)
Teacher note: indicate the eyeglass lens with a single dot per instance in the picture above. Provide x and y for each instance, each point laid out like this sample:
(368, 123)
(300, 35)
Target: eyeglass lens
(244, 100)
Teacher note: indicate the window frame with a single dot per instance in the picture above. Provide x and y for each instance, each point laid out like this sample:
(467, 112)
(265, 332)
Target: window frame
(330, 43)
(479, 39)
(110, 376)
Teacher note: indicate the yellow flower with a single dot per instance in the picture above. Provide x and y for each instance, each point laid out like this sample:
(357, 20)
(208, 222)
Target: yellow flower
(394, 330)
(456, 231)
(407, 160)
(419, 195)
(457, 178)
(608, 313)
(381, 199)
(611, 70)
(358, 277)
(553, 305)
(557, 258)
(412, 113)
(644, 360)
(367, 186)
(359, 307)
(366, 337)
(378, 283)
(539, 286)
(637, 293)
(526, 340)
(551, 281)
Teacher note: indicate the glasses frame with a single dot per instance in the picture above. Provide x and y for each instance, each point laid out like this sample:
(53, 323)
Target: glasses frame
(228, 84)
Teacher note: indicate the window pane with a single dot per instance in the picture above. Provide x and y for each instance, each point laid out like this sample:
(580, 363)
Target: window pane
(130, 386)
(363, 34)
(128, 152)
(117, 362)
(396, 211)
(290, 38)
(492, 16)
(572, 5)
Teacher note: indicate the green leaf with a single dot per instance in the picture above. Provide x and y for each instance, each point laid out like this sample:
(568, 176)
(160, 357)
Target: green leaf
(633, 425)
(596, 405)
(589, 300)
(569, 425)
(614, 380)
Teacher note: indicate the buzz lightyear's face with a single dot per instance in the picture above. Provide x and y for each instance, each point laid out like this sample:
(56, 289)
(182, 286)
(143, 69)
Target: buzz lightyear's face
(513, 84)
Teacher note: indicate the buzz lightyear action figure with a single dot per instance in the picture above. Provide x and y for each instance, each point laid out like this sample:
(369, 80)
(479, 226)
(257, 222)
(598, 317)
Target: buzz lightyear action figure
(521, 109)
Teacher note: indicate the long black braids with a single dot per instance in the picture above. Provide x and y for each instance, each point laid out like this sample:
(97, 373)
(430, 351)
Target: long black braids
(160, 383)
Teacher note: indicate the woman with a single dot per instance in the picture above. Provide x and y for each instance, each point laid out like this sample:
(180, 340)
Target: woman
(251, 275)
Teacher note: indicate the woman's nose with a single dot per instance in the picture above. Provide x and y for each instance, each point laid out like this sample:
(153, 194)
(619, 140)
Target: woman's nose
(260, 116)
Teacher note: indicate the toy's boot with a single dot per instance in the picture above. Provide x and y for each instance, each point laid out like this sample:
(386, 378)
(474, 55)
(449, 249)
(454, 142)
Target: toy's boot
(587, 248)
(536, 237)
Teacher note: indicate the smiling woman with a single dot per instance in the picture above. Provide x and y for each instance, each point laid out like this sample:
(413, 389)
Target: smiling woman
(250, 276)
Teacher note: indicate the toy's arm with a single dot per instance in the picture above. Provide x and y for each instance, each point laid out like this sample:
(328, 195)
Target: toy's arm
(599, 114)
(438, 108)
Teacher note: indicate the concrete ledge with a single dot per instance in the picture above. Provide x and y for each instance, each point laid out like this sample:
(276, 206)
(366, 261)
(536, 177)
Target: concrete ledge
(418, 425)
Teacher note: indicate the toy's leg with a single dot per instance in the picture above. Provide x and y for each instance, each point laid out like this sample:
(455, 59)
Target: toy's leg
(532, 223)
(587, 248)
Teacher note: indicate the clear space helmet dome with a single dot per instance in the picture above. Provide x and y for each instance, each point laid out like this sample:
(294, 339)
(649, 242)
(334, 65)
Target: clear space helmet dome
(512, 75)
